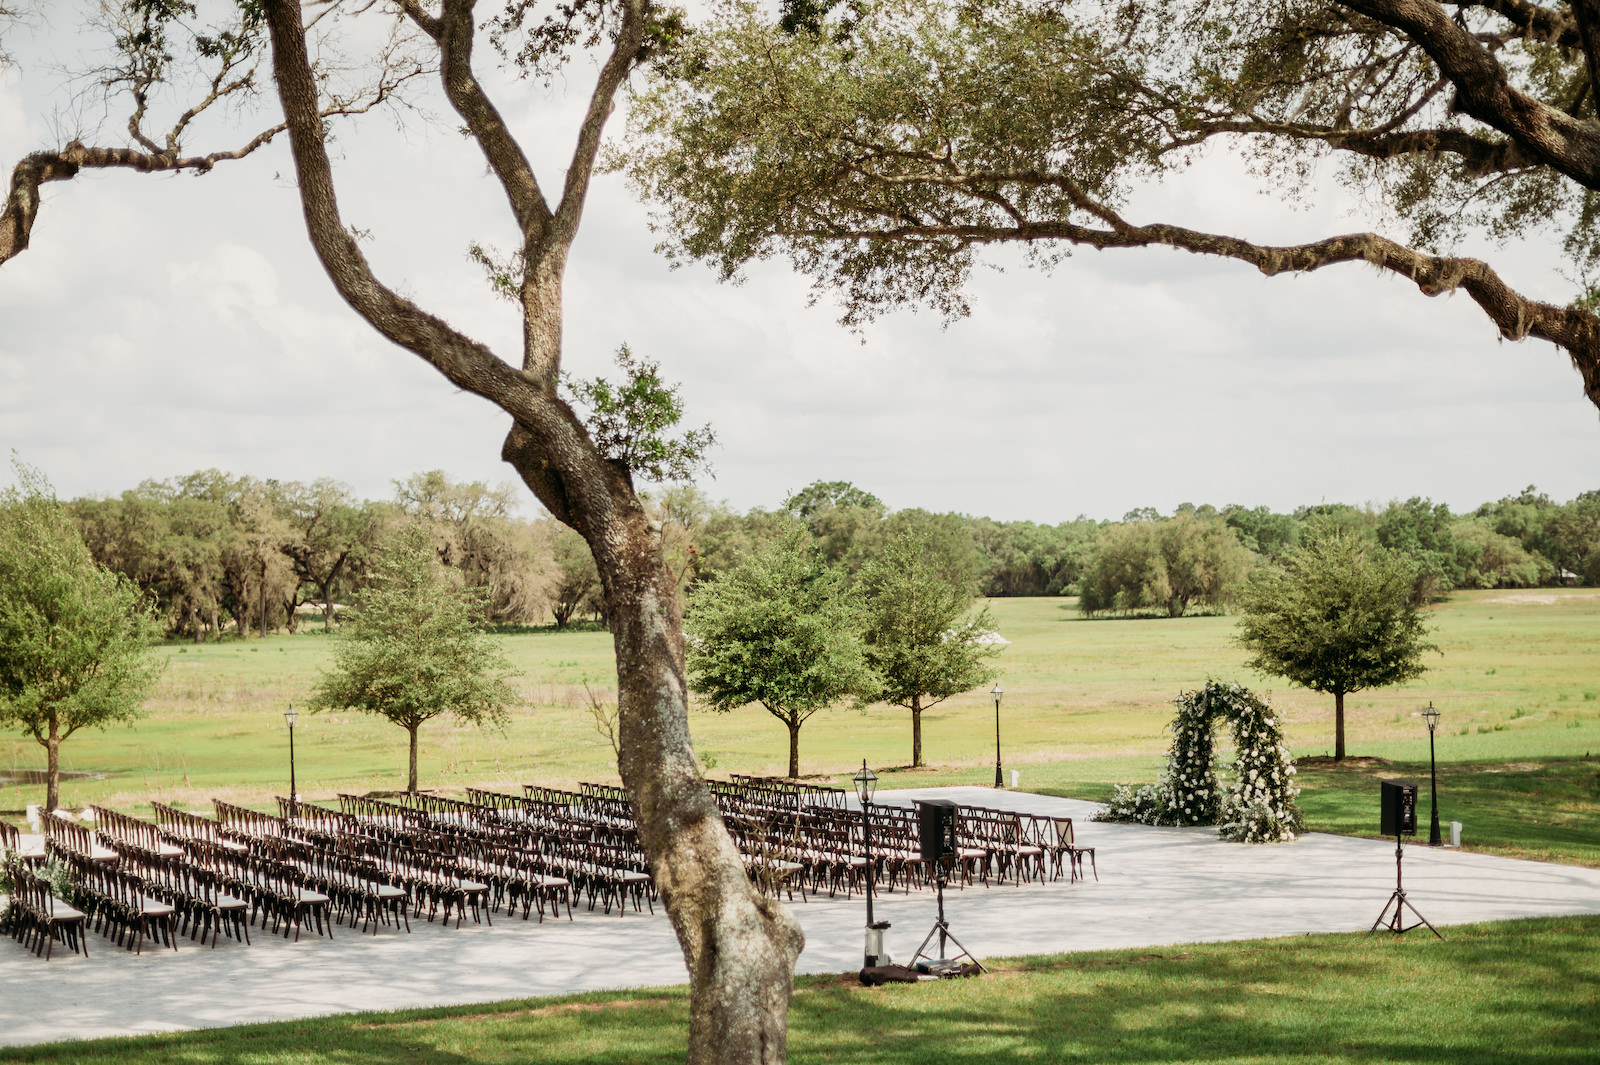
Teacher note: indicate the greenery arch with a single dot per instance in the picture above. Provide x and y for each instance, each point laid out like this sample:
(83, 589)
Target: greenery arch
(1258, 805)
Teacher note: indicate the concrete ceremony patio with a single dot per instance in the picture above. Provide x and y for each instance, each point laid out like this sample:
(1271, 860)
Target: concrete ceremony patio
(1157, 886)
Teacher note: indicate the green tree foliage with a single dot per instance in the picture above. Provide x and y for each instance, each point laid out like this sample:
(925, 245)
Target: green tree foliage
(1169, 565)
(831, 495)
(782, 629)
(1574, 534)
(334, 537)
(416, 650)
(948, 547)
(577, 580)
(630, 421)
(1423, 531)
(881, 144)
(1338, 617)
(920, 640)
(1262, 531)
(74, 636)
(837, 513)
(475, 533)
(1496, 561)
(1023, 558)
(728, 539)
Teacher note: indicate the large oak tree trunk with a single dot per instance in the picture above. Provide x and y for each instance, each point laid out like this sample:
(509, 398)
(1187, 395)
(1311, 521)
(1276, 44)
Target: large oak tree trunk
(916, 732)
(740, 946)
(411, 778)
(262, 597)
(1338, 726)
(794, 750)
(52, 769)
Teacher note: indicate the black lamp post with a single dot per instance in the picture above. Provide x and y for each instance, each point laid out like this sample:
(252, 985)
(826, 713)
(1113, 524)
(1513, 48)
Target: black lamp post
(997, 692)
(291, 717)
(1431, 716)
(866, 782)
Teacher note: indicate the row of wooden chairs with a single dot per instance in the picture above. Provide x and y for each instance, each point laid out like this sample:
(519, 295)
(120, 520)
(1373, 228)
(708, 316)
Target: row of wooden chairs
(116, 902)
(36, 918)
(201, 902)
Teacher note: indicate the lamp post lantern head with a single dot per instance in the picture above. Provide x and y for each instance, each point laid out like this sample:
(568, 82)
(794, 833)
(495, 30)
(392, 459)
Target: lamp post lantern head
(866, 783)
(291, 715)
(997, 692)
(1431, 716)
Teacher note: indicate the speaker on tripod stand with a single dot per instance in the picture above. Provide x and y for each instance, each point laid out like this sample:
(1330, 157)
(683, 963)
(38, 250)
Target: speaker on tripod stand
(1398, 818)
(936, 830)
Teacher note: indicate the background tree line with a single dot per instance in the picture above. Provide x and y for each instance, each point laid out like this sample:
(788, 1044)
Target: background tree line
(1196, 557)
(220, 553)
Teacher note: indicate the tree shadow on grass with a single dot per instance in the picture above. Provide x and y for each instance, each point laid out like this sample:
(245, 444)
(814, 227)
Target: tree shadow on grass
(1477, 998)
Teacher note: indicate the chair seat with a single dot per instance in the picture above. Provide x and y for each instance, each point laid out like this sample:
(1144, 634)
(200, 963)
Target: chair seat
(61, 911)
(149, 907)
(312, 898)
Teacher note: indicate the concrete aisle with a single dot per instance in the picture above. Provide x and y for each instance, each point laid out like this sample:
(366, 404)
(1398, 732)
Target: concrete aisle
(1157, 886)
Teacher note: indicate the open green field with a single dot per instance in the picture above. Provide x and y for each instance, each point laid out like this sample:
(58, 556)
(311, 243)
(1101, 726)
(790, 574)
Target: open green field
(1524, 991)
(1086, 704)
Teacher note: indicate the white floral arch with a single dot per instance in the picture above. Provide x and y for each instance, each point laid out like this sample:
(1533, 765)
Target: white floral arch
(1259, 803)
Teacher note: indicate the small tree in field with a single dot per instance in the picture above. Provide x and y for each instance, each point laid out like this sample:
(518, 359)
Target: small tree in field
(1337, 618)
(782, 630)
(416, 650)
(916, 639)
(74, 637)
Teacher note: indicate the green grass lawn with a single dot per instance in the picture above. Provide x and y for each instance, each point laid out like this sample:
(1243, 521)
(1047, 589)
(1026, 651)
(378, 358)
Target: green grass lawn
(1086, 705)
(1522, 991)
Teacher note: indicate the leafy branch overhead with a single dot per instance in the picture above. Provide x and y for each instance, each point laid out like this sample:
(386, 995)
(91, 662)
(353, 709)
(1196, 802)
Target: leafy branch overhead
(881, 144)
(631, 421)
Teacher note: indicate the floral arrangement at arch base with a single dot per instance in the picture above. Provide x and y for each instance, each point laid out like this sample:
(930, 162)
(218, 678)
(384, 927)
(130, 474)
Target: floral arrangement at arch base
(1259, 803)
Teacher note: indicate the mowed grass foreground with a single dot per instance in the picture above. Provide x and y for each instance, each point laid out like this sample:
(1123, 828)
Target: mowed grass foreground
(1522, 991)
(1087, 704)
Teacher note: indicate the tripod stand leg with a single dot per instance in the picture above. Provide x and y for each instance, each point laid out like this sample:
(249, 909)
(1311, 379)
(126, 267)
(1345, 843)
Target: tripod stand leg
(1397, 901)
(975, 961)
(1424, 920)
(926, 940)
(1385, 912)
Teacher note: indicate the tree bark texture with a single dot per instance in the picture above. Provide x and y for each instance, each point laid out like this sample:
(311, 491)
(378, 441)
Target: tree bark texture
(794, 750)
(52, 770)
(261, 595)
(916, 732)
(739, 946)
(1338, 726)
(411, 778)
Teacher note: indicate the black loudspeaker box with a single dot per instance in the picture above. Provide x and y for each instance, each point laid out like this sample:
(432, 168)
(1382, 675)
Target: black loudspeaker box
(936, 825)
(1399, 808)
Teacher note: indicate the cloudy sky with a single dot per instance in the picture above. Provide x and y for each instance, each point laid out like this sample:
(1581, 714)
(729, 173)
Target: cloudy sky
(159, 325)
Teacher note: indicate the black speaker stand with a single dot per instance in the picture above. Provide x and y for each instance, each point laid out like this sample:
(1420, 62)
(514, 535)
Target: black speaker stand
(1398, 900)
(941, 928)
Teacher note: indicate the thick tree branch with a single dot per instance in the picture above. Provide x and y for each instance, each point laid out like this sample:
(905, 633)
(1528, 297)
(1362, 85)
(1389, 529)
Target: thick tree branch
(1483, 91)
(453, 32)
(1481, 156)
(1587, 15)
(466, 363)
(624, 53)
(39, 168)
(1516, 316)
(1539, 22)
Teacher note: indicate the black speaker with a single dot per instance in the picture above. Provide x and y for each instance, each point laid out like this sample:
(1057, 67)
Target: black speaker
(936, 825)
(1399, 808)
